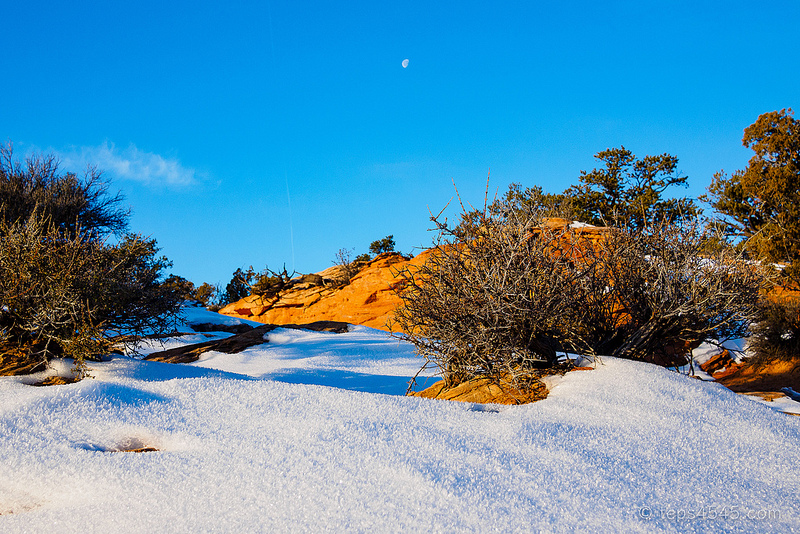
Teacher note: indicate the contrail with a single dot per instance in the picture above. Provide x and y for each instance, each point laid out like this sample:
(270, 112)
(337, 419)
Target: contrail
(285, 172)
(291, 226)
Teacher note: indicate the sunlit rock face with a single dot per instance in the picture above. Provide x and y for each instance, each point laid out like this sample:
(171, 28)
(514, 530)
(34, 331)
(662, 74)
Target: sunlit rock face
(369, 299)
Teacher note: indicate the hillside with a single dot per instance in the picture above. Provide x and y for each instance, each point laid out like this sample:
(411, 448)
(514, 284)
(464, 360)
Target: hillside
(368, 300)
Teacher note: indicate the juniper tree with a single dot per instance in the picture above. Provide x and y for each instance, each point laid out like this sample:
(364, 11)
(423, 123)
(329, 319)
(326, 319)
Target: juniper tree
(760, 205)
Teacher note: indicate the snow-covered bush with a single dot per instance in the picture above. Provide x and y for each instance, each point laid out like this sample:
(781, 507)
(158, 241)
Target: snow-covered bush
(504, 292)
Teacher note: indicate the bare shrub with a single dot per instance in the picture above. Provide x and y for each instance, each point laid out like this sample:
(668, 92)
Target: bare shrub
(72, 204)
(492, 298)
(269, 283)
(349, 267)
(502, 294)
(672, 292)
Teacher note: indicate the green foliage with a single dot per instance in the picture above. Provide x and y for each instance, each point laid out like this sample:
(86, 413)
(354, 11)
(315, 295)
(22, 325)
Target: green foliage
(239, 286)
(382, 245)
(42, 277)
(68, 297)
(206, 294)
(65, 291)
(776, 334)
(349, 267)
(180, 285)
(265, 284)
(626, 192)
(128, 290)
(760, 205)
(268, 284)
(535, 202)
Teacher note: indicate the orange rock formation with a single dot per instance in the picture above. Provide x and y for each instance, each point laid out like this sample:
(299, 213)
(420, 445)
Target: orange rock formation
(369, 299)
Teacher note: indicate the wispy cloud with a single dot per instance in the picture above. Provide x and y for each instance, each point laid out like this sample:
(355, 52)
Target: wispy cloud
(130, 164)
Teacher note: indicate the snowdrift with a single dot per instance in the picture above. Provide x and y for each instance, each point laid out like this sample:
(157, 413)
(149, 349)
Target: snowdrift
(300, 434)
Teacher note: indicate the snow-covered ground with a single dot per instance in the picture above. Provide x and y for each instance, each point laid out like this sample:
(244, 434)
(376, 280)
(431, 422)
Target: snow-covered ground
(300, 435)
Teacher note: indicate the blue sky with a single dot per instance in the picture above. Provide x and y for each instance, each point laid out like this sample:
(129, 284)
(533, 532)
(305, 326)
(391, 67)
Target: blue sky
(279, 132)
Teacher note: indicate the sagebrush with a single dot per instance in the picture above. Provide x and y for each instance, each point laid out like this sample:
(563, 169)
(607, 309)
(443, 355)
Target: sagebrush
(505, 292)
(65, 290)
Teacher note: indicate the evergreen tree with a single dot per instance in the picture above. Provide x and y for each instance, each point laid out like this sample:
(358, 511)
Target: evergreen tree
(627, 192)
(239, 286)
(760, 205)
(382, 245)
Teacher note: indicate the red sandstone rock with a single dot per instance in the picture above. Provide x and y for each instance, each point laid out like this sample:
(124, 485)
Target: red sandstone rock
(369, 299)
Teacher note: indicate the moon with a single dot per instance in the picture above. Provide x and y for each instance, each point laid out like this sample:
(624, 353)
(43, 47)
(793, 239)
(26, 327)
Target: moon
(405, 63)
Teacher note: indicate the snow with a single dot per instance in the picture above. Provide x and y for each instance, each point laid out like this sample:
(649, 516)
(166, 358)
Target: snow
(192, 315)
(780, 404)
(298, 434)
(199, 315)
(363, 359)
(737, 349)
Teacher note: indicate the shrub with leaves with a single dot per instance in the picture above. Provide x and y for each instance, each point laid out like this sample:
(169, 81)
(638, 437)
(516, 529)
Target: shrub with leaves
(776, 335)
(380, 246)
(69, 297)
(501, 295)
(64, 290)
(269, 283)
